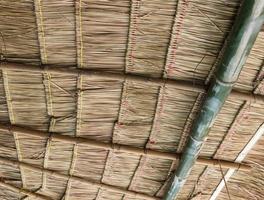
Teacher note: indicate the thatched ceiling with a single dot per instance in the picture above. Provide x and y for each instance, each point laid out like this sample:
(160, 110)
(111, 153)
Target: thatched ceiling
(154, 38)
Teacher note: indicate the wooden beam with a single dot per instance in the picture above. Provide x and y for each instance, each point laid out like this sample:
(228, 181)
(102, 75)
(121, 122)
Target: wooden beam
(184, 85)
(75, 178)
(121, 148)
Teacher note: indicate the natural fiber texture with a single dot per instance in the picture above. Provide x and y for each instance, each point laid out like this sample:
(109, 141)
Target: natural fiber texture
(248, 185)
(252, 73)
(18, 32)
(241, 132)
(102, 29)
(149, 34)
(9, 173)
(175, 39)
(199, 33)
(234, 141)
(222, 125)
(3, 104)
(56, 31)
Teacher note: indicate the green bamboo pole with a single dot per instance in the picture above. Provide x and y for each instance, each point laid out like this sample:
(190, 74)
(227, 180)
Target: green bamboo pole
(240, 41)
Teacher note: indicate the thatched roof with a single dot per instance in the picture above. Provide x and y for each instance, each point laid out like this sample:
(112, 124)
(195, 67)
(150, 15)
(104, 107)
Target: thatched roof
(177, 40)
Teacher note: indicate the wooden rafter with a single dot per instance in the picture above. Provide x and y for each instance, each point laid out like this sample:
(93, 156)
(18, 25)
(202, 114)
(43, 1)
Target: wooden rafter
(76, 178)
(184, 85)
(119, 148)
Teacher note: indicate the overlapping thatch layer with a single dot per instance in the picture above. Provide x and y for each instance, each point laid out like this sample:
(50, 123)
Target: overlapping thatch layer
(101, 31)
(248, 185)
(3, 104)
(56, 31)
(149, 35)
(198, 35)
(251, 77)
(175, 39)
(236, 138)
(8, 173)
(19, 40)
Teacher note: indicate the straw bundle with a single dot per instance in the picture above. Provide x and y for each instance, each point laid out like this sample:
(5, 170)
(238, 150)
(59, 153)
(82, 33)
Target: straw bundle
(24, 91)
(171, 117)
(221, 126)
(18, 32)
(240, 132)
(236, 138)
(102, 29)
(3, 104)
(199, 31)
(56, 31)
(8, 173)
(252, 73)
(175, 39)
(149, 34)
(248, 185)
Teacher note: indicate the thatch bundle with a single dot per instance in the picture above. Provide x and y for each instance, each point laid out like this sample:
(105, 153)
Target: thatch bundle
(19, 41)
(164, 39)
(251, 78)
(198, 36)
(248, 185)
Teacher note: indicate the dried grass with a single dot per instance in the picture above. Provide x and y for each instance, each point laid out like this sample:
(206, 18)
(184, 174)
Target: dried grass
(236, 138)
(3, 104)
(253, 67)
(56, 31)
(131, 36)
(199, 33)
(102, 29)
(19, 41)
(221, 126)
(149, 35)
(248, 185)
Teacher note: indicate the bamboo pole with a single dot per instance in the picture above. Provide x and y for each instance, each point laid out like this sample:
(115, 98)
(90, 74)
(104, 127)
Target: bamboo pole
(24, 191)
(184, 85)
(72, 178)
(121, 148)
(240, 41)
